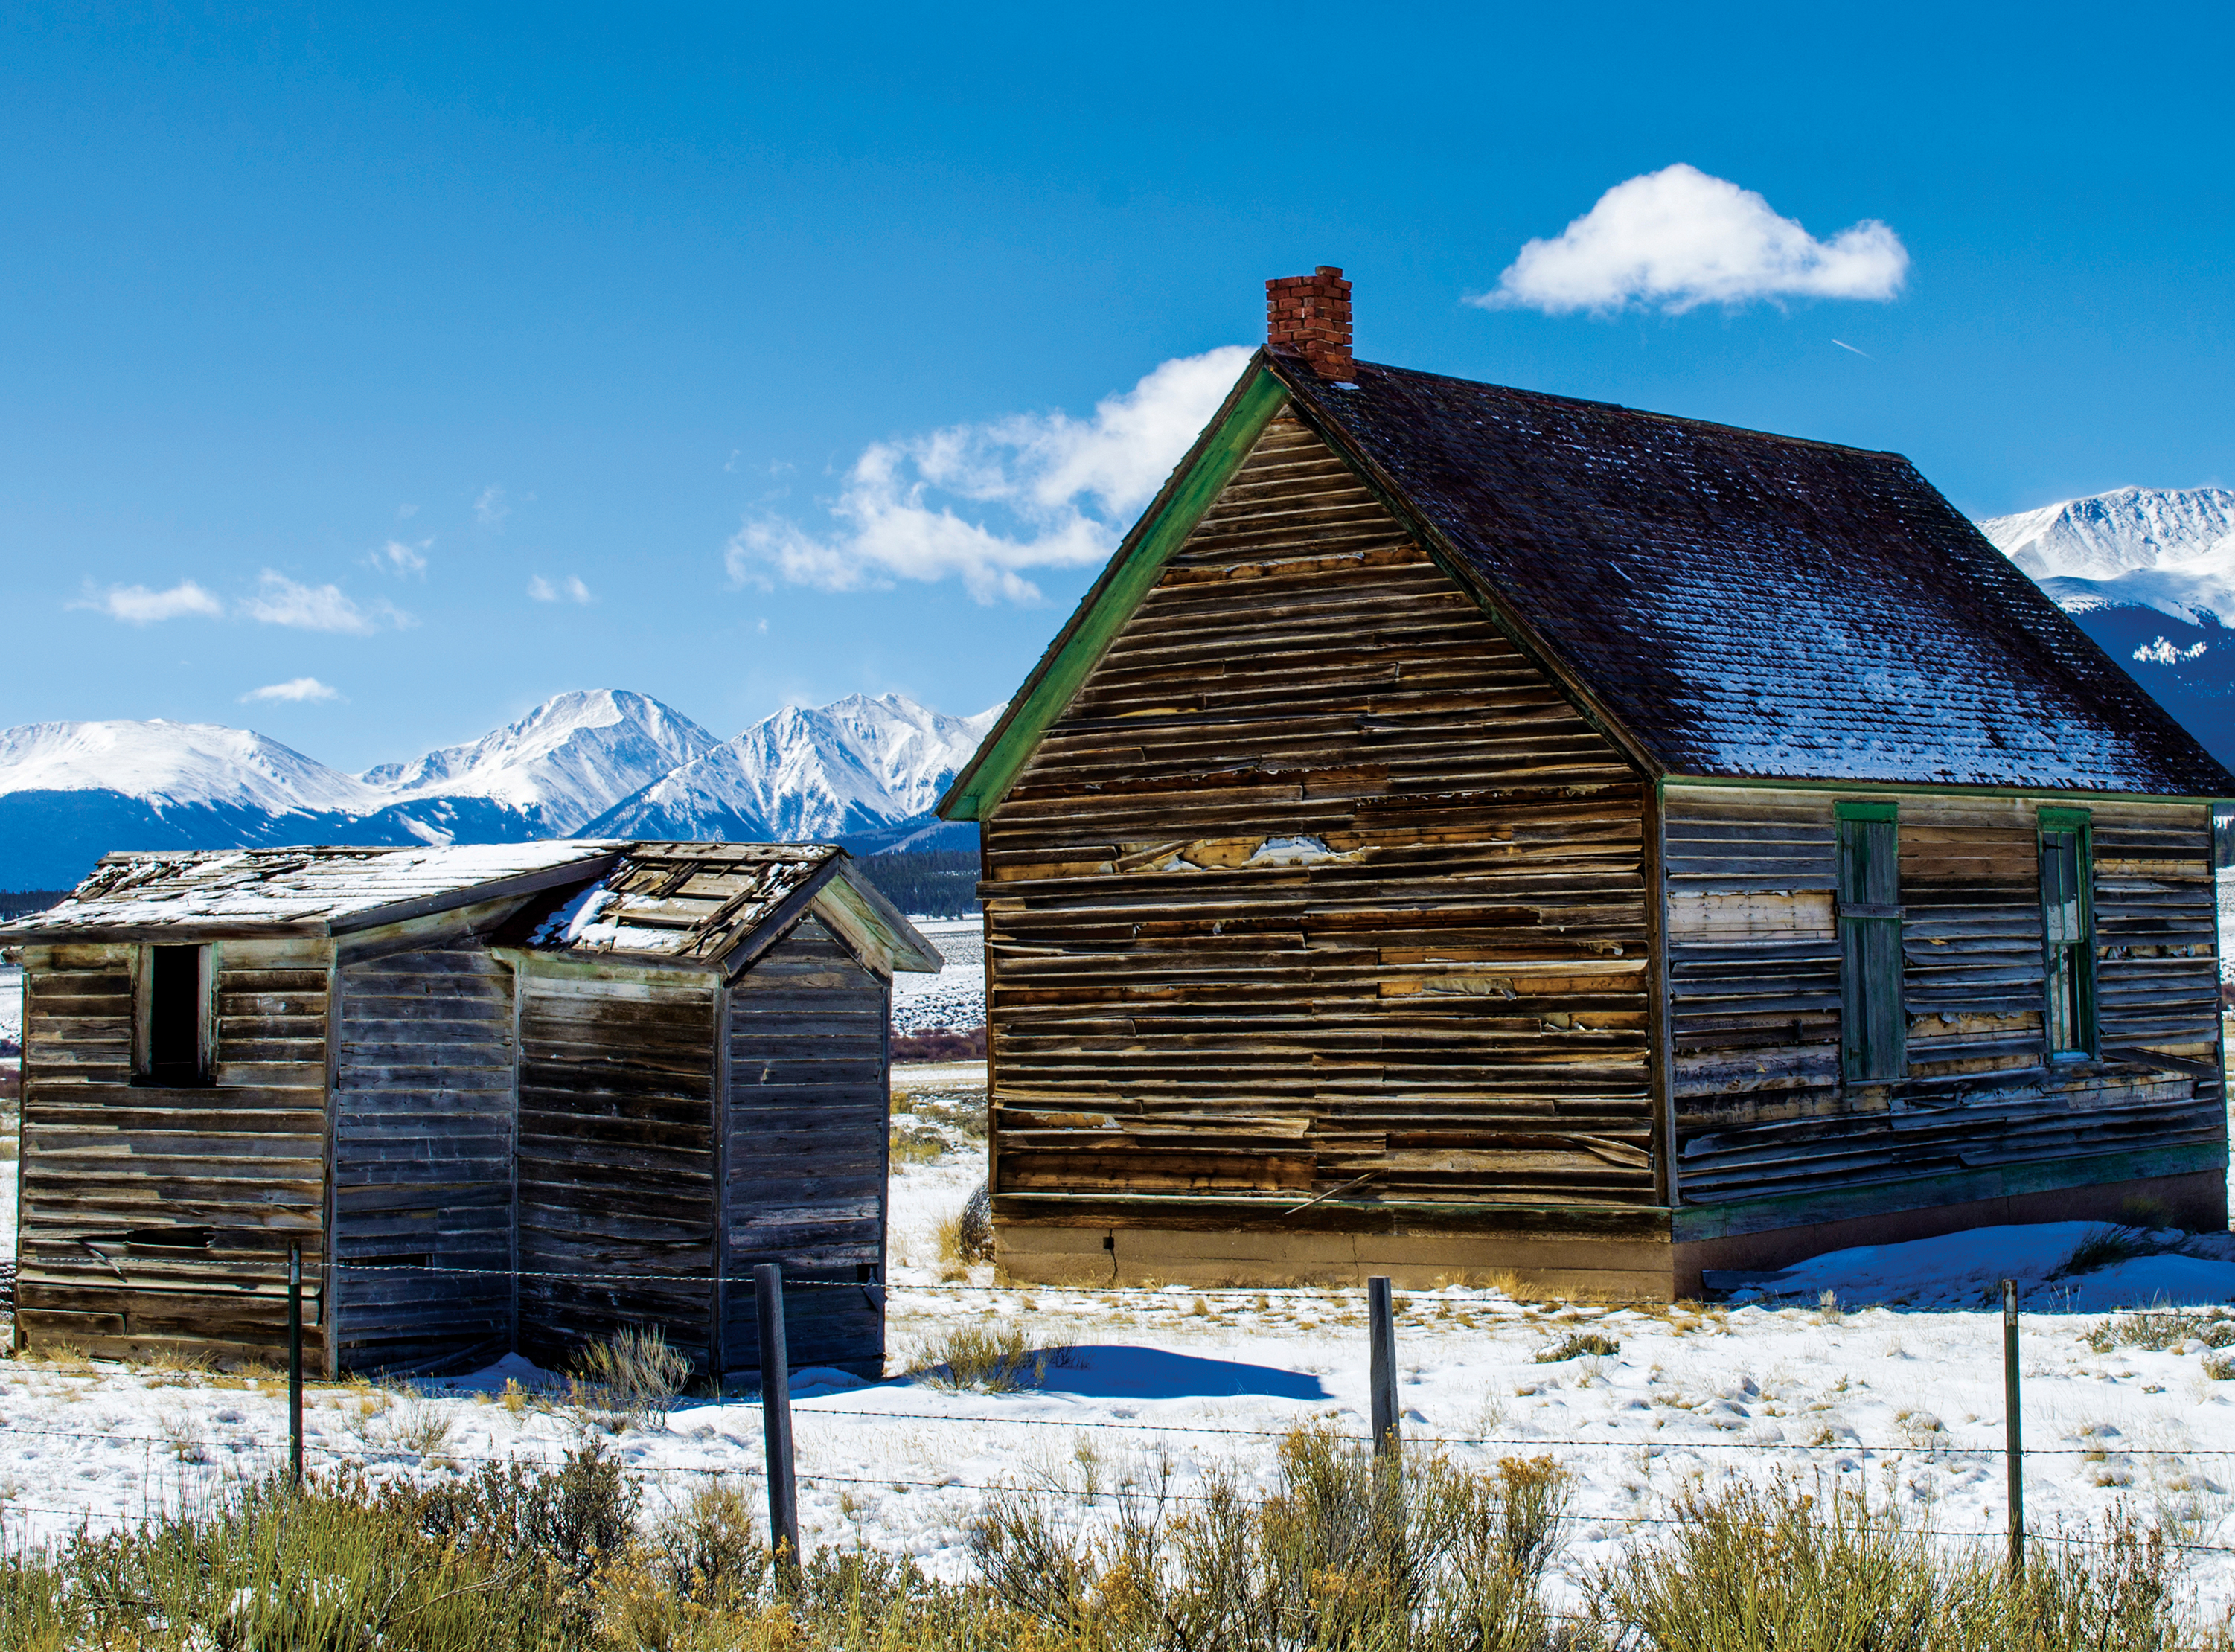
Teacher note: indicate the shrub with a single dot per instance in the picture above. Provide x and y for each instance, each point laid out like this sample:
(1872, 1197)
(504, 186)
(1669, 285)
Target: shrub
(632, 1372)
(1348, 1551)
(916, 1146)
(272, 1566)
(1577, 1344)
(708, 1548)
(2100, 1247)
(973, 1233)
(2158, 1329)
(1760, 1569)
(975, 1356)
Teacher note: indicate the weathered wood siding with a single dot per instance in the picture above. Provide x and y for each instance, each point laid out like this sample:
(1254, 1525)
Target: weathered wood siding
(104, 1158)
(616, 1157)
(1319, 879)
(808, 1135)
(422, 1160)
(1753, 965)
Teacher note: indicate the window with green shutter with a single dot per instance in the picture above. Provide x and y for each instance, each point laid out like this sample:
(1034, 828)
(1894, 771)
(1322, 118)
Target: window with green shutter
(1874, 1029)
(2067, 933)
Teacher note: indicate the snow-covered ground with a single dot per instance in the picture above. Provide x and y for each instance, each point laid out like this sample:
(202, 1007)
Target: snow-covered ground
(11, 1003)
(956, 996)
(1906, 1402)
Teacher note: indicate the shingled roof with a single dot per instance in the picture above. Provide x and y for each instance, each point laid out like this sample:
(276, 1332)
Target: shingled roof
(1728, 604)
(1758, 606)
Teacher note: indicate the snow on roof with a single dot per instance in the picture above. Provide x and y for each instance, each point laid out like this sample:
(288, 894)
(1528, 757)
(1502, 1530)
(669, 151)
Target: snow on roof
(1756, 606)
(313, 889)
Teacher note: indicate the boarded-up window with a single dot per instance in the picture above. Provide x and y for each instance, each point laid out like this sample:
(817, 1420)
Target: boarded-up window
(175, 1019)
(1872, 1028)
(2067, 923)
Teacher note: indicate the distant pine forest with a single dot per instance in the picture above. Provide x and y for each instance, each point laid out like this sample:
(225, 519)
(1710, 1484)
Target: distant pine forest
(929, 884)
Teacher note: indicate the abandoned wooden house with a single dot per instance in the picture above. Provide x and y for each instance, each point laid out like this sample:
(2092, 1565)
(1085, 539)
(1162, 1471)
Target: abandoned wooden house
(505, 1097)
(1465, 830)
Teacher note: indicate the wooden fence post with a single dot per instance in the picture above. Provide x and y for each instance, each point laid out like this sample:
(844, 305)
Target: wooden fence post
(2013, 1443)
(1381, 1330)
(295, 1362)
(776, 1417)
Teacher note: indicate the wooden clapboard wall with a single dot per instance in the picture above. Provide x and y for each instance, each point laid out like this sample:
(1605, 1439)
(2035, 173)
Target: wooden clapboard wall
(1316, 880)
(616, 1156)
(806, 1148)
(240, 1163)
(422, 1160)
(1754, 966)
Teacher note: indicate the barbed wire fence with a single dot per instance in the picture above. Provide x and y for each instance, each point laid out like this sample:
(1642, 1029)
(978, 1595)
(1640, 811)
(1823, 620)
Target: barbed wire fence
(776, 1471)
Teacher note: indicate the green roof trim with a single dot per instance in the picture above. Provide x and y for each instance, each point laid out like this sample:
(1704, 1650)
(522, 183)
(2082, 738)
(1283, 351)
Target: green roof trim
(1123, 586)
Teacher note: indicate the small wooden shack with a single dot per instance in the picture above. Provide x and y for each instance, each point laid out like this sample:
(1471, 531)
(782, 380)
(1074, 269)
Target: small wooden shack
(1465, 830)
(505, 1097)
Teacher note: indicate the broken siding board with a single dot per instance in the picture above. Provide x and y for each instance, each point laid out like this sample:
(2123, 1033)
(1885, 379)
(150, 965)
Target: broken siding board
(1147, 946)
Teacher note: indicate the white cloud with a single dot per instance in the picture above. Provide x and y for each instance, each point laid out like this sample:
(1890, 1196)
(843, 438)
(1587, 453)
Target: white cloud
(296, 688)
(1678, 239)
(399, 559)
(490, 506)
(1066, 489)
(281, 601)
(570, 589)
(136, 605)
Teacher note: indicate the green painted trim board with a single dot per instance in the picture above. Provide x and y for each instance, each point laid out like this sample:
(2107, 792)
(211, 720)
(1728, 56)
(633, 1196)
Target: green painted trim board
(1129, 587)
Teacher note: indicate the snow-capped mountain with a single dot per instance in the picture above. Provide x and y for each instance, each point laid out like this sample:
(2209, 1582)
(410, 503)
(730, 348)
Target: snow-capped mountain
(565, 763)
(175, 765)
(2149, 572)
(860, 767)
(70, 792)
(2171, 549)
(603, 762)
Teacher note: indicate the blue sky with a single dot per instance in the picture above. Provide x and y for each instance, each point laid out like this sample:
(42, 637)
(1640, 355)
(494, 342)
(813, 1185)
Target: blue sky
(431, 361)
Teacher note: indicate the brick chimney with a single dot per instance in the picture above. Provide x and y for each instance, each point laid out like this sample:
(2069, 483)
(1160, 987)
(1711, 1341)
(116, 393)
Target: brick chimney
(1310, 316)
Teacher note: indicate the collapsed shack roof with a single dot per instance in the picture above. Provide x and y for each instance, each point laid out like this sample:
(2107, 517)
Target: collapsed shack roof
(693, 905)
(718, 904)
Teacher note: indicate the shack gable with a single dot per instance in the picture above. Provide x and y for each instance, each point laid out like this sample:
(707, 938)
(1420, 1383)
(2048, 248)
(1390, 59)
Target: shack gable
(1317, 884)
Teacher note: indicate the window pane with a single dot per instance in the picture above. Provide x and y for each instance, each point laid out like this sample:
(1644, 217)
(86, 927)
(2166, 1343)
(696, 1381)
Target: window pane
(2064, 1001)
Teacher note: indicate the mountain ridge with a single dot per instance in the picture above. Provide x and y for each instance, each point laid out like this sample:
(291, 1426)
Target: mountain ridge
(861, 770)
(2149, 574)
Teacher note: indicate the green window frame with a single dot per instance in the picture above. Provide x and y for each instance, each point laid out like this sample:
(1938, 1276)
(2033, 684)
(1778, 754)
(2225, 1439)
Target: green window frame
(2069, 1024)
(1873, 1025)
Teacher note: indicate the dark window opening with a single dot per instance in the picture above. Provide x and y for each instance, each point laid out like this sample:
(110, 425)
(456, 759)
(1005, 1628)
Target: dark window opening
(2067, 938)
(1873, 1028)
(174, 1016)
